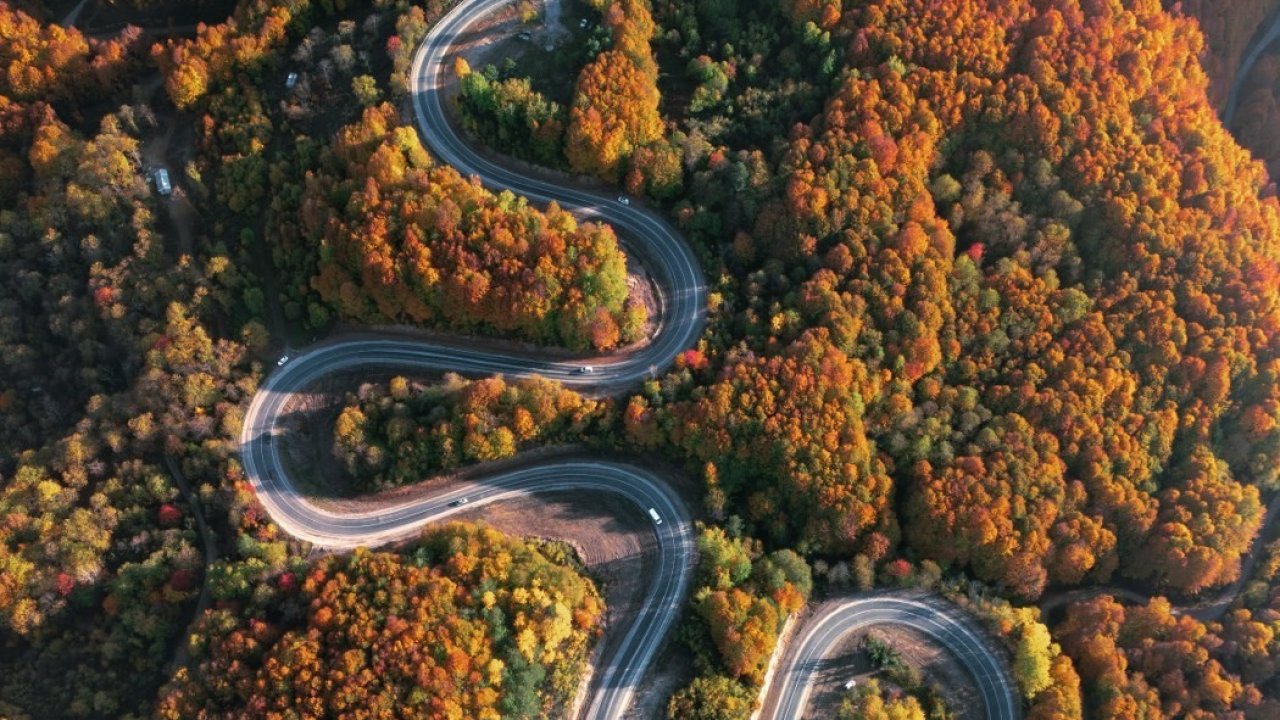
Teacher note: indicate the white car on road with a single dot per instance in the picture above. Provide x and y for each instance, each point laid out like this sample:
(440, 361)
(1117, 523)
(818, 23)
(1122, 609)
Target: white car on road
(163, 185)
(624, 199)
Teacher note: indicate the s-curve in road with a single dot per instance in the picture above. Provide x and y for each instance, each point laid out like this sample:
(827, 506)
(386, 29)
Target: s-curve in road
(644, 235)
(792, 683)
(681, 318)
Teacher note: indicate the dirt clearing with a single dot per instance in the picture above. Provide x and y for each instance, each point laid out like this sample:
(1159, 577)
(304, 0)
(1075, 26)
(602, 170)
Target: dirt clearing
(850, 662)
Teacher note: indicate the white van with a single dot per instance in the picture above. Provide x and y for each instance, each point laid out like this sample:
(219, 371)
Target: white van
(657, 519)
(162, 182)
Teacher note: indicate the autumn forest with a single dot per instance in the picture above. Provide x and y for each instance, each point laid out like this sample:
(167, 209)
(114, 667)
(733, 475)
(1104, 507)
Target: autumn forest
(992, 318)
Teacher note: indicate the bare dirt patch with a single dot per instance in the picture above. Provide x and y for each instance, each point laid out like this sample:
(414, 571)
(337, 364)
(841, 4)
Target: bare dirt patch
(936, 666)
(672, 670)
(306, 438)
(161, 151)
(611, 537)
(549, 50)
(642, 287)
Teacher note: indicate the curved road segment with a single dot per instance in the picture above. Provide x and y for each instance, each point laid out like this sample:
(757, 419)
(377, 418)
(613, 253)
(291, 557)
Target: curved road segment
(789, 689)
(681, 319)
(1261, 42)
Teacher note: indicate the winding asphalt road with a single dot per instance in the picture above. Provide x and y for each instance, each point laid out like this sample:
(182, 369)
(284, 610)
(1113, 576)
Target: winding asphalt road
(681, 318)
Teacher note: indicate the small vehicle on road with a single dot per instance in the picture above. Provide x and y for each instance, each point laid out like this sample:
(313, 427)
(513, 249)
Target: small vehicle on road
(459, 502)
(283, 359)
(624, 199)
(585, 370)
(163, 186)
(851, 685)
(657, 519)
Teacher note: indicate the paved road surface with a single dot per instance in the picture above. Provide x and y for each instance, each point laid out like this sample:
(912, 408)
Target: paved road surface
(682, 296)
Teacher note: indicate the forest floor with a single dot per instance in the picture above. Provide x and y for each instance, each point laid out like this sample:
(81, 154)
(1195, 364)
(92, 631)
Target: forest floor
(70, 19)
